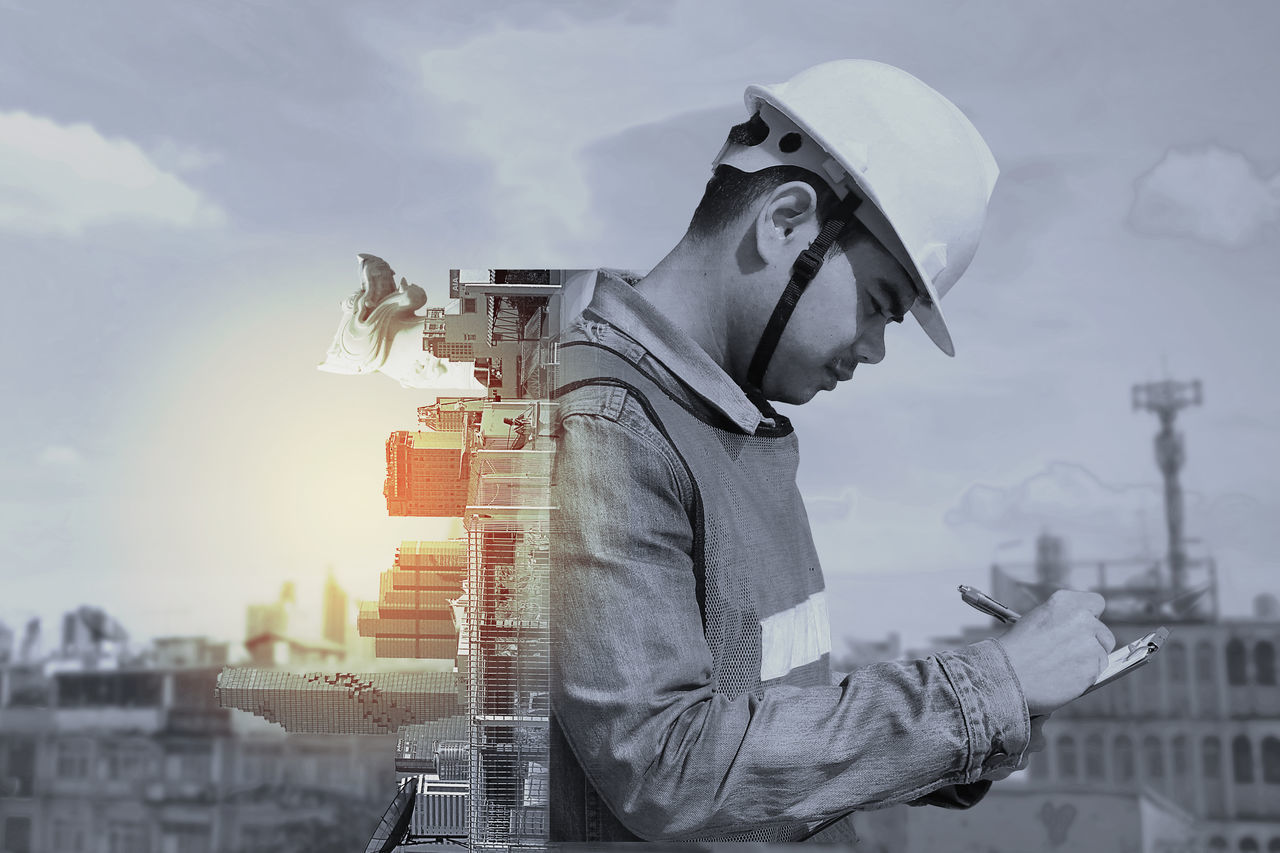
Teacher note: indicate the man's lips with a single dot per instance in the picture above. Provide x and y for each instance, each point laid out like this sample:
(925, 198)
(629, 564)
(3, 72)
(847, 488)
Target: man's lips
(843, 371)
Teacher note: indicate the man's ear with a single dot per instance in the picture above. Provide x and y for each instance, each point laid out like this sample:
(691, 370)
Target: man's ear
(786, 222)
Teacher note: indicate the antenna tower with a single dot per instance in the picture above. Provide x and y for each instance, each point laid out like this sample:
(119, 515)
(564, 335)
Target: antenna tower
(1166, 399)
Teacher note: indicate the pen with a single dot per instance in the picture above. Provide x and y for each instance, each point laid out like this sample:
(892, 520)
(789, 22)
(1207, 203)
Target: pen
(979, 600)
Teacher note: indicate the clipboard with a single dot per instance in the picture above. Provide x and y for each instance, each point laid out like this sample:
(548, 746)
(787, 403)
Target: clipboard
(1126, 659)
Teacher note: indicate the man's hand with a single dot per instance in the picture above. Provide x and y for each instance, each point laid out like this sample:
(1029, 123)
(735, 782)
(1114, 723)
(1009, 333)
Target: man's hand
(1058, 649)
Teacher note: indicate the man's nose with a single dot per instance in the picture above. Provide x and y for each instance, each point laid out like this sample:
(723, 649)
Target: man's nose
(868, 348)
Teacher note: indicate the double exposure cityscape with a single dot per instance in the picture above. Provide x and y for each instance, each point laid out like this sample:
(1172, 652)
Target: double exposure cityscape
(423, 721)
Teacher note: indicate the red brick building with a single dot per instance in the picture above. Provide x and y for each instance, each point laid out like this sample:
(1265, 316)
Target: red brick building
(427, 474)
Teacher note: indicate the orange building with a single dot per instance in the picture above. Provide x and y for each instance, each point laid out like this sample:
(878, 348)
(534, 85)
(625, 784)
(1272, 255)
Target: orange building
(427, 474)
(413, 617)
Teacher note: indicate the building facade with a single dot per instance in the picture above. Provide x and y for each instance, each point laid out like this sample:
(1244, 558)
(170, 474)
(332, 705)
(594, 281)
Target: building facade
(143, 761)
(426, 473)
(414, 615)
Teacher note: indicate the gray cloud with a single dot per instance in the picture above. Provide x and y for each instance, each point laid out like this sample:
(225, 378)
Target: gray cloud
(830, 507)
(1212, 194)
(1062, 495)
(1101, 519)
(60, 179)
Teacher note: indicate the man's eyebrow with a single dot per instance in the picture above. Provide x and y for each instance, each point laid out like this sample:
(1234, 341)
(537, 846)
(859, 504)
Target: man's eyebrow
(892, 295)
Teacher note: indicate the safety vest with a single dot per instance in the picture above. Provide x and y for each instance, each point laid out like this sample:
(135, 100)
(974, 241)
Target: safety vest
(759, 585)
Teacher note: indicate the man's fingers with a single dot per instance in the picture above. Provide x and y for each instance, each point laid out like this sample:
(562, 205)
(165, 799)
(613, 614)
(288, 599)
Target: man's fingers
(1105, 637)
(1089, 601)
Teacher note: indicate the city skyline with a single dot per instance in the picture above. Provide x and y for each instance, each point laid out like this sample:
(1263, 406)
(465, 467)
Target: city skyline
(176, 449)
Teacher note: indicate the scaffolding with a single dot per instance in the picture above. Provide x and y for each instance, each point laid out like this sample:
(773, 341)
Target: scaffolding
(509, 641)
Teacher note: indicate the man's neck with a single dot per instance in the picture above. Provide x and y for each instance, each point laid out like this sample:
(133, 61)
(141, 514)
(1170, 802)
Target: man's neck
(691, 289)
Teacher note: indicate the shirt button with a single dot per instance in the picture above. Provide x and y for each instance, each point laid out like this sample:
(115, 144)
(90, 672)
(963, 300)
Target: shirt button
(995, 758)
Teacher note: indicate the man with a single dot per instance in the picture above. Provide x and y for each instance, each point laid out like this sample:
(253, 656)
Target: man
(692, 695)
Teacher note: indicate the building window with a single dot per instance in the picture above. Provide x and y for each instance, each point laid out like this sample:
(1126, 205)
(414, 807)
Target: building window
(130, 760)
(1211, 757)
(258, 839)
(1273, 846)
(1177, 663)
(187, 838)
(17, 779)
(1204, 662)
(1271, 760)
(1242, 760)
(1153, 757)
(1124, 759)
(73, 758)
(128, 838)
(1248, 844)
(1217, 843)
(1178, 748)
(468, 306)
(68, 837)
(1235, 662)
(17, 835)
(1264, 663)
(1067, 768)
(1093, 765)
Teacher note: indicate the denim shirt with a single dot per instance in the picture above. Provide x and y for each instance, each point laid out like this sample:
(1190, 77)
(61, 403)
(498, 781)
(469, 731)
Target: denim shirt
(653, 735)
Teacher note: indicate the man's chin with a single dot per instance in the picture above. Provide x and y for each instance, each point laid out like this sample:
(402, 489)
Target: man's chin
(797, 395)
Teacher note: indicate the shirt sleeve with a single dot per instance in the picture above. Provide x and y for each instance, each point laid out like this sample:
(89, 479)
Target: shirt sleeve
(632, 677)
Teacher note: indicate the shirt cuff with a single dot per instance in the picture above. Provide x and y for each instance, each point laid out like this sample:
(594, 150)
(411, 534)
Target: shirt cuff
(992, 704)
(955, 796)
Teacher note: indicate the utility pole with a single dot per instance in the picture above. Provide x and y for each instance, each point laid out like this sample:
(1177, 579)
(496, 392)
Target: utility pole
(1166, 399)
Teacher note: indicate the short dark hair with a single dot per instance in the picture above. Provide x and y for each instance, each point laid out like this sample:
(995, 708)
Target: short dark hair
(731, 191)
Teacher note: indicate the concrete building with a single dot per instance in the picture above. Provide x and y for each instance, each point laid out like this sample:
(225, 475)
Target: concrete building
(1195, 733)
(426, 474)
(143, 761)
(341, 703)
(413, 616)
(487, 461)
(507, 322)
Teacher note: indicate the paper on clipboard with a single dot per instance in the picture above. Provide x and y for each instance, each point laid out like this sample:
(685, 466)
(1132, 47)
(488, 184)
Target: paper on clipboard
(1126, 659)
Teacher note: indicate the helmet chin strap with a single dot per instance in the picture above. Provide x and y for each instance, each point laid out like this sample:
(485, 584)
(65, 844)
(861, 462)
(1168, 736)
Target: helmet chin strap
(803, 270)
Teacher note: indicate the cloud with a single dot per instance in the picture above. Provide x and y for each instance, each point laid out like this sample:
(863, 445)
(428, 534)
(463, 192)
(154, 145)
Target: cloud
(1211, 194)
(62, 179)
(830, 507)
(1099, 519)
(529, 110)
(1064, 498)
(59, 456)
(172, 155)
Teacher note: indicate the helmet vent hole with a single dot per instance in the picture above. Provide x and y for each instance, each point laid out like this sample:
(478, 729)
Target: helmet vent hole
(789, 143)
(750, 133)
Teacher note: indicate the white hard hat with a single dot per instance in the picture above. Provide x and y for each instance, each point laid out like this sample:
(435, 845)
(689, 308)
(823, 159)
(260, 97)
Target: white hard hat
(899, 144)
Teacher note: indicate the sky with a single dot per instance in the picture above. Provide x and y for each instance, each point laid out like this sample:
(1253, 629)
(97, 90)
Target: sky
(184, 188)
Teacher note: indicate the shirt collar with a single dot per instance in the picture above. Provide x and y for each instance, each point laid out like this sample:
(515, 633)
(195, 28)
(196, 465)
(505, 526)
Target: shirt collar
(621, 306)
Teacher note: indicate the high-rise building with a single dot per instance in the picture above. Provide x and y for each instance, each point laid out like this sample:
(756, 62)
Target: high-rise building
(335, 616)
(272, 638)
(484, 599)
(414, 616)
(427, 473)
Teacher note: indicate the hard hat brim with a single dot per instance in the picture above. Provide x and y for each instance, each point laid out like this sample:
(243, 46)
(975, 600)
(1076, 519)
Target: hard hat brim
(926, 308)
